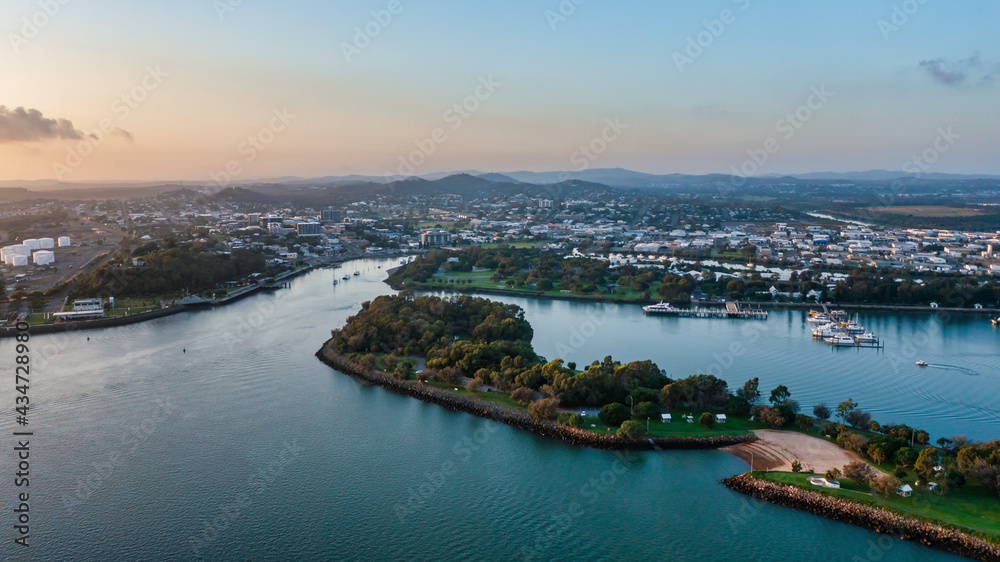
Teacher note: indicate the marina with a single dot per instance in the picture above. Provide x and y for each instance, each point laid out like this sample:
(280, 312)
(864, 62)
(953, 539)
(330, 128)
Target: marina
(836, 328)
(732, 310)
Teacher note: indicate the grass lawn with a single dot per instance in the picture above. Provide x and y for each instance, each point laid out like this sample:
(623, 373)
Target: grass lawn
(679, 427)
(484, 280)
(969, 506)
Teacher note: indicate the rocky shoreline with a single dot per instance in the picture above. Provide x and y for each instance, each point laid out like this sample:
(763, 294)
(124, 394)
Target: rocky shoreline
(874, 518)
(519, 418)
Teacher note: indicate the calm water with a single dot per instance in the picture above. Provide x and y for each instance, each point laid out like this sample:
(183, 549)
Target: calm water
(247, 448)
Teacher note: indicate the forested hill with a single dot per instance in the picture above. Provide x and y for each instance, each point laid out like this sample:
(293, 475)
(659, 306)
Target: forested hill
(491, 343)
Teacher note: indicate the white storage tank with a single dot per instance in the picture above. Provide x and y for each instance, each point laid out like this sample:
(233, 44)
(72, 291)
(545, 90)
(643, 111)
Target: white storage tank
(21, 249)
(44, 257)
(19, 260)
(64, 241)
(47, 243)
(33, 243)
(5, 252)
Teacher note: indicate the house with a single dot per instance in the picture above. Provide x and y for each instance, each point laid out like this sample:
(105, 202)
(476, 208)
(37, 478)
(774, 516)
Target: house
(665, 418)
(720, 418)
(905, 490)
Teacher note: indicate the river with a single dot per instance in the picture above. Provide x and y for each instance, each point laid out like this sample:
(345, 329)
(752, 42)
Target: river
(217, 435)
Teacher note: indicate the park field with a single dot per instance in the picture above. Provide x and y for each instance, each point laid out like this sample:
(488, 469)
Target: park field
(927, 211)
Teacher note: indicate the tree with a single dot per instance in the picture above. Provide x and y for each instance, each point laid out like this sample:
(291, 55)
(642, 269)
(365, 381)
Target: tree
(886, 485)
(874, 426)
(859, 471)
(737, 406)
(792, 405)
(985, 473)
(832, 474)
(779, 395)
(844, 407)
(543, 408)
(905, 457)
(572, 420)
(367, 362)
(879, 452)
(821, 411)
(804, 422)
(830, 429)
(389, 362)
(771, 417)
(706, 419)
(647, 410)
(851, 441)
(750, 391)
(796, 466)
(925, 463)
(857, 418)
(522, 395)
(631, 429)
(474, 386)
(614, 413)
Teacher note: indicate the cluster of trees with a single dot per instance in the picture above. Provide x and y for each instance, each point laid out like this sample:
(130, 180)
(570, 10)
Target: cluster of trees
(195, 268)
(951, 290)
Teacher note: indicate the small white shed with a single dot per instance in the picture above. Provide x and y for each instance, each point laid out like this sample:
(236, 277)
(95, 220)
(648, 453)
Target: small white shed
(905, 490)
(665, 418)
(720, 418)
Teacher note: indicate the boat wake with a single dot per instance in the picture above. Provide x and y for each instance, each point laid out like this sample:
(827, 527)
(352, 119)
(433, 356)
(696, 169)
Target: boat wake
(969, 372)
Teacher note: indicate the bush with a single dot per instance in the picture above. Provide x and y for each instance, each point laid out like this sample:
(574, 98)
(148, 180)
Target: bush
(572, 420)
(899, 473)
(706, 419)
(614, 413)
(796, 466)
(544, 408)
(522, 395)
(905, 457)
(804, 421)
(832, 474)
(631, 429)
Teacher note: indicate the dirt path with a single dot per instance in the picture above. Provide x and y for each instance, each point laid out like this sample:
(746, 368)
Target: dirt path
(775, 450)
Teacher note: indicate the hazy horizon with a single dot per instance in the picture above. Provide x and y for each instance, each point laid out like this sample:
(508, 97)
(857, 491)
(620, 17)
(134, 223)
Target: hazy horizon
(233, 91)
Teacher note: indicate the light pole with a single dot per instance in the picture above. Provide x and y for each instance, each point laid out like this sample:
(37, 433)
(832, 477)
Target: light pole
(751, 461)
(631, 407)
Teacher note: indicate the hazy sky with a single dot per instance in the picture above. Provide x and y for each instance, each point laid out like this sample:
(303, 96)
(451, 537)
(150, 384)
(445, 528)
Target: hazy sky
(116, 89)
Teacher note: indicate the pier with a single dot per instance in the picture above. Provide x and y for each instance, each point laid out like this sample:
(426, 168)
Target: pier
(732, 310)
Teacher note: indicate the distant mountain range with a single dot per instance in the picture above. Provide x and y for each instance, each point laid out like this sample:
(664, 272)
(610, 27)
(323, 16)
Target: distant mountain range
(614, 177)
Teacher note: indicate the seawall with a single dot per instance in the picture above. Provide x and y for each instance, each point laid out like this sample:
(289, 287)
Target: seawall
(874, 518)
(518, 418)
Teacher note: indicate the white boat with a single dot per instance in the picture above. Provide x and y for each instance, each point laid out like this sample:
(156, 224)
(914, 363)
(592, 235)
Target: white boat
(819, 319)
(356, 273)
(346, 277)
(866, 337)
(659, 307)
(854, 328)
(842, 341)
(828, 331)
(921, 363)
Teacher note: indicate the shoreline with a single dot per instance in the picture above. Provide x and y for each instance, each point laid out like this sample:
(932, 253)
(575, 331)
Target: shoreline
(876, 519)
(519, 418)
(761, 304)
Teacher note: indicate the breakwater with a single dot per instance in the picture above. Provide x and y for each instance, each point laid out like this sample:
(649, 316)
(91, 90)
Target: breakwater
(870, 517)
(519, 418)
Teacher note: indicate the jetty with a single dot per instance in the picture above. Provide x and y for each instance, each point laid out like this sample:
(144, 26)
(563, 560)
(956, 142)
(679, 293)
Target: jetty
(732, 310)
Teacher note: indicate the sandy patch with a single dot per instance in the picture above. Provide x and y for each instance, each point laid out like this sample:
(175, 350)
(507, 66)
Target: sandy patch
(775, 450)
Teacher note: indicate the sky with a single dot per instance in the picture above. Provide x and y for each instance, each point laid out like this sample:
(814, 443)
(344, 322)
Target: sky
(237, 90)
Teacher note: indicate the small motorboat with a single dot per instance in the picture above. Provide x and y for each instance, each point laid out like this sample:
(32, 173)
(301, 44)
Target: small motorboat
(921, 363)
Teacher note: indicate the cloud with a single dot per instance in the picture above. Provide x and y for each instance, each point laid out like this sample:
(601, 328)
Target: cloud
(27, 125)
(972, 71)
